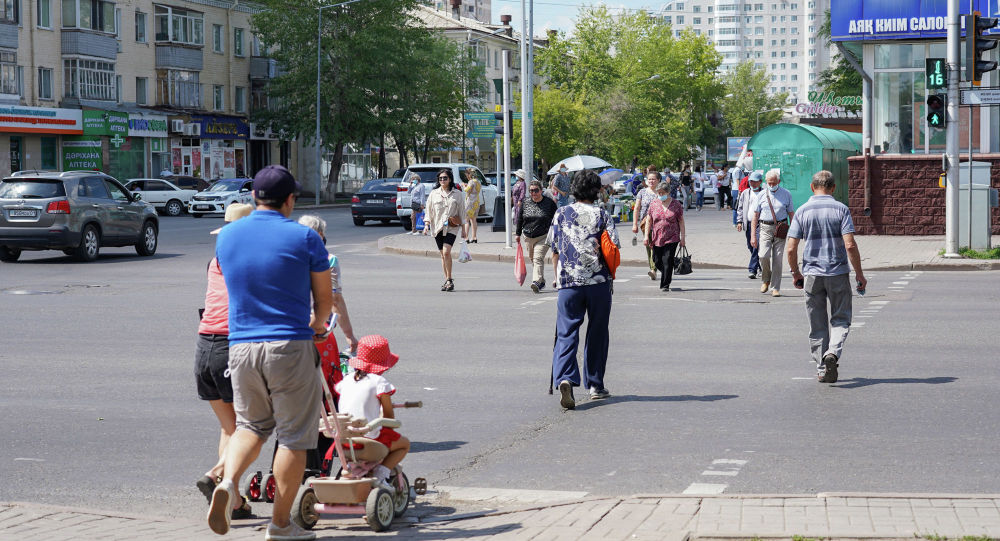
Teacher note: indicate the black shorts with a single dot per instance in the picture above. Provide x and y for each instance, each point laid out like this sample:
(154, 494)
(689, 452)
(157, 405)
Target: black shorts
(441, 239)
(416, 207)
(211, 368)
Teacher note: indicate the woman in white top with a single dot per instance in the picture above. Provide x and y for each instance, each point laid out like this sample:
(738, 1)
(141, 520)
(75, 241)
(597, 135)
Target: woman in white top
(445, 212)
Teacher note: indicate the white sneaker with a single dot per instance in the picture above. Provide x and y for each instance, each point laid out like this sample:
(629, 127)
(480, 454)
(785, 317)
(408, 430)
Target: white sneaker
(381, 473)
(292, 532)
(220, 509)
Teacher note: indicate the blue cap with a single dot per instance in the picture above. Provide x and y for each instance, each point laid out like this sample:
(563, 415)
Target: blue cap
(275, 183)
(757, 175)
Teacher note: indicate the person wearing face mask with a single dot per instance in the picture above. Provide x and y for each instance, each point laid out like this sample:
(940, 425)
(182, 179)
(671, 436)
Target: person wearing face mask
(664, 231)
(643, 199)
(744, 216)
(774, 205)
(560, 186)
(533, 218)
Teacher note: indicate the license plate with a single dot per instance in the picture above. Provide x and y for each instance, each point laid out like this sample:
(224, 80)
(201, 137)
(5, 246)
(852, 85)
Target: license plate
(22, 213)
(203, 207)
(375, 201)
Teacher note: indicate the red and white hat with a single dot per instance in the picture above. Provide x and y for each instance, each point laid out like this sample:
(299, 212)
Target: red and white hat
(373, 355)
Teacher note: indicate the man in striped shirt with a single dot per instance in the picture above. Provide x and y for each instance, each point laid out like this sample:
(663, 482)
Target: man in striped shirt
(828, 230)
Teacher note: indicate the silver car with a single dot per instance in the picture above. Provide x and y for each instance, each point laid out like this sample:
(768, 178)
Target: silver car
(77, 212)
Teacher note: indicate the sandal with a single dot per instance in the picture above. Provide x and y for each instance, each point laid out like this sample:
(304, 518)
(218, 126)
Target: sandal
(207, 486)
(243, 511)
(444, 286)
(449, 285)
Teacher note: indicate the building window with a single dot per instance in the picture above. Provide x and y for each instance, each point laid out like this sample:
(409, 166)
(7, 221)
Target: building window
(667, 19)
(141, 84)
(218, 97)
(44, 13)
(179, 89)
(140, 27)
(9, 11)
(238, 41)
(49, 153)
(89, 79)
(241, 99)
(680, 19)
(89, 14)
(118, 88)
(179, 25)
(218, 42)
(44, 83)
(8, 72)
(696, 20)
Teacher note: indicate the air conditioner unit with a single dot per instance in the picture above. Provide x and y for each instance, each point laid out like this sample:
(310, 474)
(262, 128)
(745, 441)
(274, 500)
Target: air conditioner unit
(187, 129)
(177, 126)
(195, 129)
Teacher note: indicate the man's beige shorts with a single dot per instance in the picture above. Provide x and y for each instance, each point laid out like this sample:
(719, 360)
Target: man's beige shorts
(276, 388)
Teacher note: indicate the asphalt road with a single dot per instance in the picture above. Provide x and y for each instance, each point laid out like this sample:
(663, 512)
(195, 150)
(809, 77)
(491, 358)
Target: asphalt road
(711, 384)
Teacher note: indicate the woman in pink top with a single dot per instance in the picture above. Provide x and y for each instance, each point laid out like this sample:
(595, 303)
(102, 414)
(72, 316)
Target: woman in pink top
(211, 365)
(664, 231)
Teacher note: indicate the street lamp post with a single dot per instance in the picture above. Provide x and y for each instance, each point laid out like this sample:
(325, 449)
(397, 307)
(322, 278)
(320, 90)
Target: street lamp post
(762, 111)
(319, 52)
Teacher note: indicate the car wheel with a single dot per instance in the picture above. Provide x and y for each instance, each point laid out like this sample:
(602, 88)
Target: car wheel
(90, 244)
(359, 221)
(405, 220)
(8, 254)
(174, 208)
(147, 240)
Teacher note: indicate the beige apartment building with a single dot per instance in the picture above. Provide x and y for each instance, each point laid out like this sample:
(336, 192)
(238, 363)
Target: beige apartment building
(133, 88)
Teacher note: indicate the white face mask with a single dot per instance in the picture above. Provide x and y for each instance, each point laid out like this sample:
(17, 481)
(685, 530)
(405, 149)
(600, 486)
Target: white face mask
(773, 188)
(757, 189)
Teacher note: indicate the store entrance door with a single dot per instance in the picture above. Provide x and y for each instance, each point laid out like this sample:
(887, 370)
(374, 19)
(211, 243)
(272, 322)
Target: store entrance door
(15, 154)
(259, 156)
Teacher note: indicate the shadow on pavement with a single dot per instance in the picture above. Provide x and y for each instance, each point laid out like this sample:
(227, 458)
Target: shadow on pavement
(854, 383)
(637, 398)
(102, 258)
(421, 531)
(421, 446)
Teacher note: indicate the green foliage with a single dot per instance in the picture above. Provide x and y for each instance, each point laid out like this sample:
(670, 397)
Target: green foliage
(644, 91)
(747, 96)
(977, 254)
(560, 125)
(840, 78)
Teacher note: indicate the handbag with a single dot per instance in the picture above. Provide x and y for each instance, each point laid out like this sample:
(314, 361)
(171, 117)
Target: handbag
(780, 228)
(454, 221)
(520, 271)
(682, 261)
(609, 250)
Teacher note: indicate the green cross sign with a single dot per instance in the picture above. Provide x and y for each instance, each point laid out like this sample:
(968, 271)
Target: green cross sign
(117, 140)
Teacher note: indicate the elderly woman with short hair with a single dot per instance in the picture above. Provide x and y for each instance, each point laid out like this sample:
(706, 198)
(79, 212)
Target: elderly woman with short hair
(318, 225)
(533, 218)
(584, 283)
(664, 231)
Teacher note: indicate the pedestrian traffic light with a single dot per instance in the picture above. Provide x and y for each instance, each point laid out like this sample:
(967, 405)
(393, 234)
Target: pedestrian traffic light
(503, 122)
(976, 45)
(936, 117)
(937, 74)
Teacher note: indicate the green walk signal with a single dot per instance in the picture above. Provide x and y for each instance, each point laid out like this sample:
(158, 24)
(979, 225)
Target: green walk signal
(937, 74)
(936, 117)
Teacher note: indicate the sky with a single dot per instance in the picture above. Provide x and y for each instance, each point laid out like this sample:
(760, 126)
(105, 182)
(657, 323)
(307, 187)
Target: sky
(560, 14)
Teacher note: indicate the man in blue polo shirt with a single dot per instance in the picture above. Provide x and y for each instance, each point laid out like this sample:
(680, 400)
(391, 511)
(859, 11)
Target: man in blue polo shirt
(828, 230)
(273, 266)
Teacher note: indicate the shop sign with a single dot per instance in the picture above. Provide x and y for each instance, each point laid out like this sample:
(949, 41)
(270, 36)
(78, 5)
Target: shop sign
(40, 120)
(826, 103)
(82, 153)
(852, 20)
(734, 147)
(147, 126)
(262, 132)
(105, 123)
(222, 127)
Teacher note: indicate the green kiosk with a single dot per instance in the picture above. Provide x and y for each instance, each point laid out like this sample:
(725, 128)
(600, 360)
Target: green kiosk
(799, 151)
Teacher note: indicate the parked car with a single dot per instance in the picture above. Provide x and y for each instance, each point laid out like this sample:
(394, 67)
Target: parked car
(376, 200)
(398, 173)
(190, 183)
(428, 175)
(162, 194)
(77, 212)
(220, 195)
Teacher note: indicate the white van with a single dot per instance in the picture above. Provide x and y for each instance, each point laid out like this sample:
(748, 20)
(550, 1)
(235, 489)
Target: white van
(428, 176)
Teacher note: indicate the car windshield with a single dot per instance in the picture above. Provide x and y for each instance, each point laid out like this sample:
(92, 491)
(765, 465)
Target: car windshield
(426, 175)
(380, 185)
(226, 186)
(31, 189)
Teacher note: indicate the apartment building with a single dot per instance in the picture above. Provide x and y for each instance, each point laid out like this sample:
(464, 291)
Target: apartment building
(779, 36)
(479, 10)
(133, 88)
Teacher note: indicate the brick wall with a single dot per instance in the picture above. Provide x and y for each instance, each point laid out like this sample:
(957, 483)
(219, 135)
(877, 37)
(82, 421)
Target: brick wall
(905, 196)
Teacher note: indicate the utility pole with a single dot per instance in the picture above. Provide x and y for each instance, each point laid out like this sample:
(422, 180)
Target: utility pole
(952, 141)
(506, 147)
(528, 97)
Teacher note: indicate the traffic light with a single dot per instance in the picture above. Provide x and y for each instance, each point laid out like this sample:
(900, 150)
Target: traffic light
(937, 74)
(936, 117)
(976, 45)
(503, 122)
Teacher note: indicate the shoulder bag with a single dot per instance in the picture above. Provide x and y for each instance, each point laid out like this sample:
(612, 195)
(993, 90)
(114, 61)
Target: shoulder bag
(609, 251)
(780, 228)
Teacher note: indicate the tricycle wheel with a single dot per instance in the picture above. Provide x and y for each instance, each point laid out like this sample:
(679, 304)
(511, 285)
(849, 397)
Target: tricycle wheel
(401, 500)
(251, 487)
(379, 509)
(304, 508)
(268, 486)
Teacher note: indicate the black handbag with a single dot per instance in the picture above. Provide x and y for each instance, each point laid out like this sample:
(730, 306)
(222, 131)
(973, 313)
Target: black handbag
(682, 261)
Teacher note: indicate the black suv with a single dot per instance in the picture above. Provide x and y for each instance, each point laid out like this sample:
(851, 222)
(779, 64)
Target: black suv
(77, 212)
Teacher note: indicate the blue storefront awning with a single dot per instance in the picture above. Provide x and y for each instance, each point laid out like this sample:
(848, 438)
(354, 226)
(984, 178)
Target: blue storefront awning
(861, 20)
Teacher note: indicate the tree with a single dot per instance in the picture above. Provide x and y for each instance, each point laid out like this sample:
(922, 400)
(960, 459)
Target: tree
(560, 125)
(840, 79)
(747, 87)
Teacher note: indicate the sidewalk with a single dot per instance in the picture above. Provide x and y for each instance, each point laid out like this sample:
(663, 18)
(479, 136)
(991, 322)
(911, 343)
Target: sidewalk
(639, 517)
(715, 244)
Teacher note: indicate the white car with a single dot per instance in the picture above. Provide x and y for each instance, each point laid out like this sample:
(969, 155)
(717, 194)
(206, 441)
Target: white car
(162, 194)
(220, 195)
(428, 176)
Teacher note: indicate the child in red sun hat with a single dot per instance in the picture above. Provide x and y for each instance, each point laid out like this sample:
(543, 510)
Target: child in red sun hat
(368, 395)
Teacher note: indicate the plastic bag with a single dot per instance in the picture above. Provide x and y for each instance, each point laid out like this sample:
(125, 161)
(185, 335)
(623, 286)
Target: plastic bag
(520, 272)
(464, 256)
(420, 220)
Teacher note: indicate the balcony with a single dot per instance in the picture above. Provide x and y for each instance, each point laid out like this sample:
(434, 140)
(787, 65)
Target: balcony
(8, 35)
(179, 56)
(182, 94)
(262, 67)
(88, 42)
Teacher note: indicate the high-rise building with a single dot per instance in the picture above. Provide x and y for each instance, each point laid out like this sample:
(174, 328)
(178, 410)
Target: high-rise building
(779, 36)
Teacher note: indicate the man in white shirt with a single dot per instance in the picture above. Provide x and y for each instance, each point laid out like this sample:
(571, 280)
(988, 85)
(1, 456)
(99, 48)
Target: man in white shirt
(744, 218)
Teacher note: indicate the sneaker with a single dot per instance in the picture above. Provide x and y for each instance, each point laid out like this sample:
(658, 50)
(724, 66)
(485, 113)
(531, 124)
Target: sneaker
(243, 511)
(206, 485)
(764, 286)
(599, 394)
(381, 483)
(566, 399)
(652, 275)
(775, 293)
(220, 508)
(665, 289)
(752, 276)
(827, 372)
(292, 532)
(535, 287)
(541, 284)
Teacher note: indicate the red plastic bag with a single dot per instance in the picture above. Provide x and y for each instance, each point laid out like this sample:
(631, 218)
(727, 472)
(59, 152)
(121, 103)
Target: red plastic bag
(520, 272)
